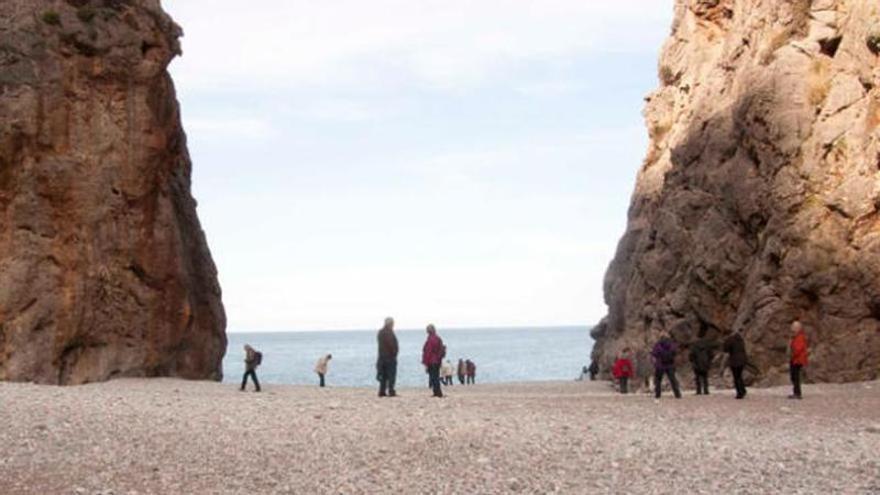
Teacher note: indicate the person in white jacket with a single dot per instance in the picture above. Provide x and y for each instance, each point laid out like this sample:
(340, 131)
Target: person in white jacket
(447, 372)
(321, 367)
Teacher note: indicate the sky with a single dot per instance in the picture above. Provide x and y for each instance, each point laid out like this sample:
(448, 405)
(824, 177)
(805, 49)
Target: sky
(464, 163)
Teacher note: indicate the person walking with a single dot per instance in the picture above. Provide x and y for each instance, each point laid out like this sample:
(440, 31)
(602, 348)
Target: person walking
(462, 371)
(433, 353)
(737, 359)
(664, 353)
(471, 372)
(701, 355)
(386, 364)
(799, 358)
(321, 368)
(252, 359)
(623, 371)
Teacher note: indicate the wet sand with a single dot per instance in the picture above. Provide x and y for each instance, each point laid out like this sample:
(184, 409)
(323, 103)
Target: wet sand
(171, 436)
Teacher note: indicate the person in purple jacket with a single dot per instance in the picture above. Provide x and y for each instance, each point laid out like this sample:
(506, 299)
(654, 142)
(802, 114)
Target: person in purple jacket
(664, 364)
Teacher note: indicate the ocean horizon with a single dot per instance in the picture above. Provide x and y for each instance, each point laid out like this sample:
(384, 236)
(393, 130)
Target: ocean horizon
(502, 354)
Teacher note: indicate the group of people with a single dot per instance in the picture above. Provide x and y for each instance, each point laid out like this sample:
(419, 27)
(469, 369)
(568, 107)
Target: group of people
(466, 370)
(440, 371)
(702, 356)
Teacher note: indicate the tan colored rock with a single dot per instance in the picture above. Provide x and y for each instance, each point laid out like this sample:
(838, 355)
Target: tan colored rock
(759, 200)
(104, 268)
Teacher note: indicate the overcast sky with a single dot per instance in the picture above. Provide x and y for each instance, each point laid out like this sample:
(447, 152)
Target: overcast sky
(467, 163)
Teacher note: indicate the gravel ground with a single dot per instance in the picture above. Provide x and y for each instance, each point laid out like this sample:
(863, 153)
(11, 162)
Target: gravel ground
(170, 436)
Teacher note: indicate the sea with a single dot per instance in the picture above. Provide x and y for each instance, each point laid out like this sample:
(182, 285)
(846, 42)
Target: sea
(502, 355)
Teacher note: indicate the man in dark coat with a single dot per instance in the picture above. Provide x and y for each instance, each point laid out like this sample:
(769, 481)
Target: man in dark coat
(701, 355)
(664, 353)
(386, 364)
(737, 359)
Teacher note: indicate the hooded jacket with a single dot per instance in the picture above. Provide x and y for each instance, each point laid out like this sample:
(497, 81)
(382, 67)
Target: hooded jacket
(623, 368)
(432, 351)
(321, 365)
(735, 346)
(664, 348)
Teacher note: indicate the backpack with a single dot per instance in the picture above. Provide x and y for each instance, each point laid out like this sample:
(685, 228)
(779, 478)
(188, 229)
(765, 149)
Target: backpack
(258, 358)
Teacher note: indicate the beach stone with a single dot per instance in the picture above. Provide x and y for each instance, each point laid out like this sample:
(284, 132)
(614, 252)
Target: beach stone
(759, 199)
(104, 267)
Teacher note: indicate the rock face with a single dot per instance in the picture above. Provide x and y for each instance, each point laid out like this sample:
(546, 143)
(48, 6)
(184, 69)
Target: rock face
(759, 200)
(104, 268)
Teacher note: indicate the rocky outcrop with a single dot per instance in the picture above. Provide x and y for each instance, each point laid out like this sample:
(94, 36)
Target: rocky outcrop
(104, 268)
(759, 199)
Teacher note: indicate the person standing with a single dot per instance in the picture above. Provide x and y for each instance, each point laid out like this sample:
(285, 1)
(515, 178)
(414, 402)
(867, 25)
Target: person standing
(701, 355)
(386, 364)
(799, 358)
(623, 371)
(737, 359)
(594, 370)
(252, 359)
(448, 373)
(471, 372)
(432, 357)
(664, 353)
(321, 368)
(462, 371)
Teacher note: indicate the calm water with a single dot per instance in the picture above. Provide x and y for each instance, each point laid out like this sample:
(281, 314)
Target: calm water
(502, 355)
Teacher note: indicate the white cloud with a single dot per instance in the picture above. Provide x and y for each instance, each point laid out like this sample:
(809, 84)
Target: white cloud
(448, 44)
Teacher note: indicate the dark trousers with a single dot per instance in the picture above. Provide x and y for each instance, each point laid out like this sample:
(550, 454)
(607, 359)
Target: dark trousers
(461, 379)
(658, 380)
(253, 375)
(449, 381)
(387, 374)
(738, 381)
(434, 379)
(795, 372)
(471, 379)
(592, 376)
(624, 385)
(702, 378)
(321, 377)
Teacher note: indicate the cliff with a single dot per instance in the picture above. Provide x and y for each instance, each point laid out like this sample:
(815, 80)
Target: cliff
(104, 268)
(758, 200)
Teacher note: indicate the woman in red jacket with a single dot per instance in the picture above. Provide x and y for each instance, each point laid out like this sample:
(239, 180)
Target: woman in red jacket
(623, 371)
(799, 358)
(432, 357)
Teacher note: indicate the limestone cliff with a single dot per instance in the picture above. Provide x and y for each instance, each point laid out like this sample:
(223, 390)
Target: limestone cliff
(104, 268)
(759, 199)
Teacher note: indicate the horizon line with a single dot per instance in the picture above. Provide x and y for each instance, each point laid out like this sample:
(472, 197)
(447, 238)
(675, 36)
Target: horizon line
(452, 328)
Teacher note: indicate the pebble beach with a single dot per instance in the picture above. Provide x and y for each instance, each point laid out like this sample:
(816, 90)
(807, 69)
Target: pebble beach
(134, 436)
